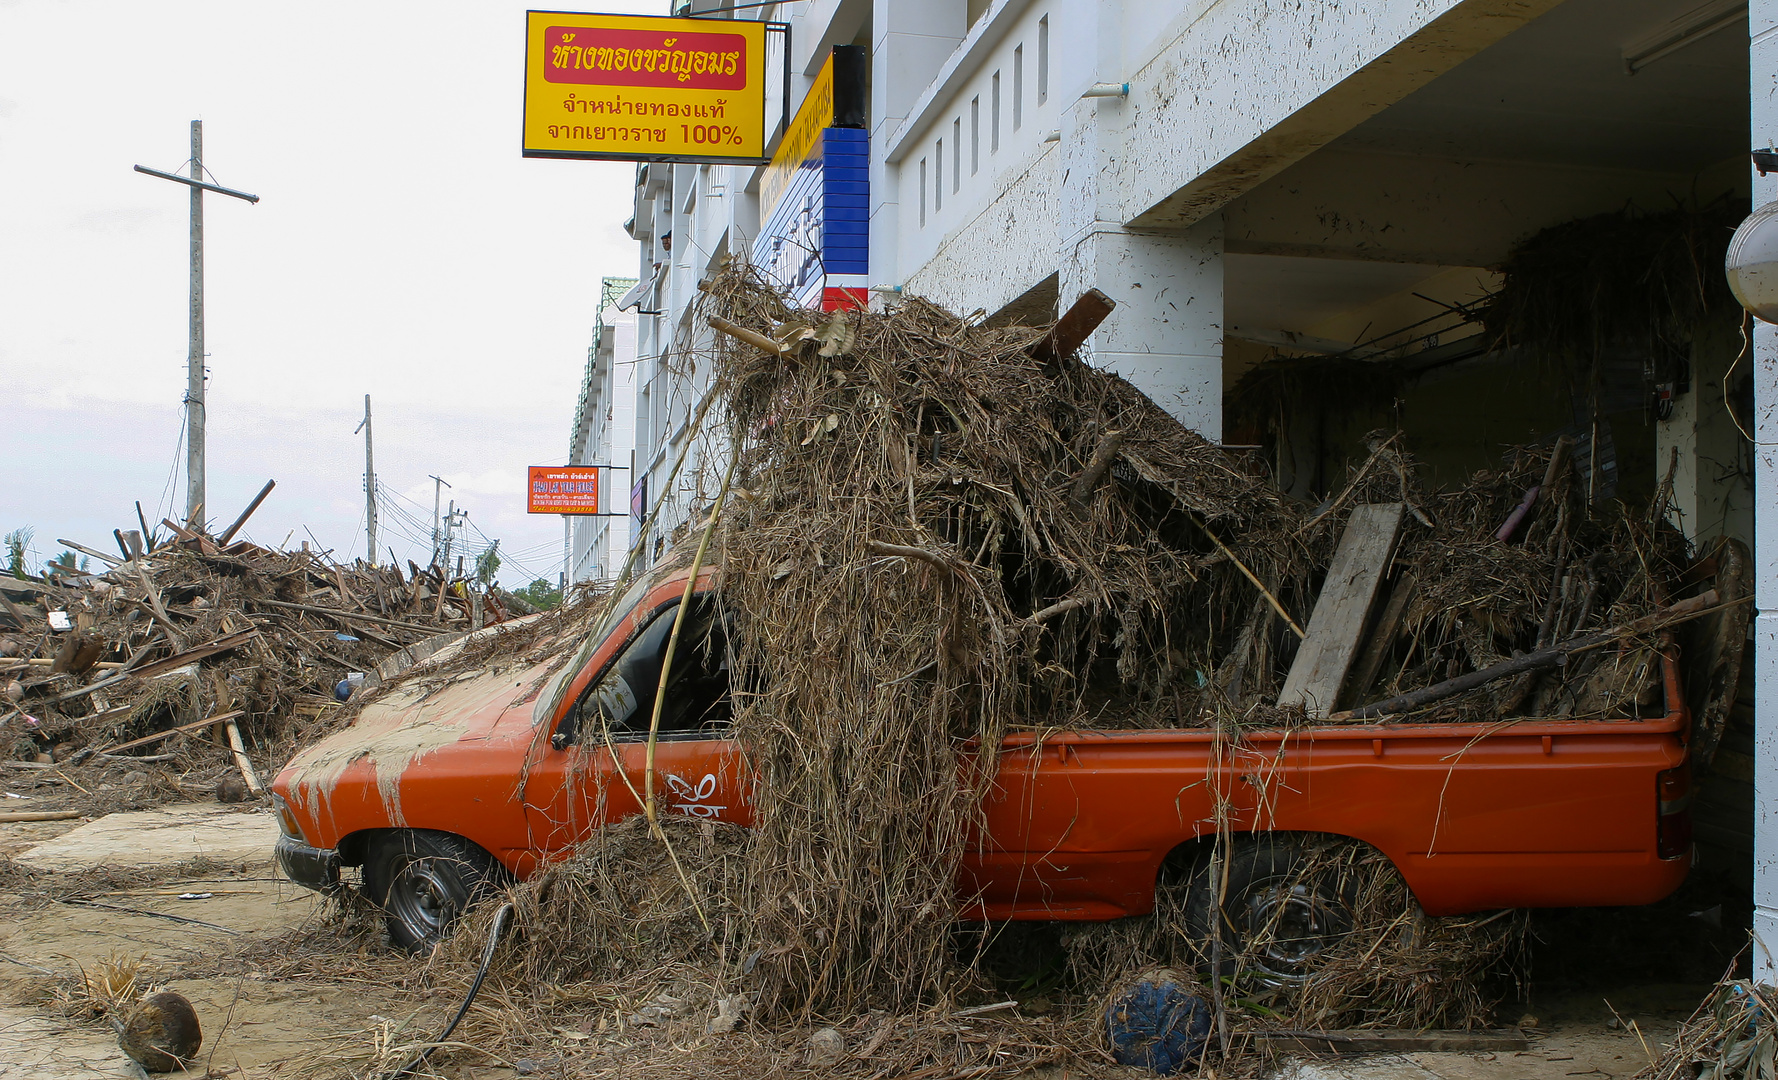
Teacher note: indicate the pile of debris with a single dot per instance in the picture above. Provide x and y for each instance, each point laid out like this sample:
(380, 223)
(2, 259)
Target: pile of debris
(934, 532)
(951, 531)
(1733, 1035)
(205, 652)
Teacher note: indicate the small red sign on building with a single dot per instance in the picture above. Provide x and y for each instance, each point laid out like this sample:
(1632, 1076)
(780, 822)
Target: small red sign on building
(563, 489)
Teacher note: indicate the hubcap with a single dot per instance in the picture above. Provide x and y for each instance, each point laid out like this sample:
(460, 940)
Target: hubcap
(1287, 927)
(421, 897)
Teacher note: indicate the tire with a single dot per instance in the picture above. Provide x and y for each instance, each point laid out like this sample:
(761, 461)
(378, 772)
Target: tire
(425, 880)
(1288, 901)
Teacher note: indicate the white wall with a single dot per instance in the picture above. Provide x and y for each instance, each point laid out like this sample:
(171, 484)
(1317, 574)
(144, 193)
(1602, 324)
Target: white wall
(1763, 94)
(599, 544)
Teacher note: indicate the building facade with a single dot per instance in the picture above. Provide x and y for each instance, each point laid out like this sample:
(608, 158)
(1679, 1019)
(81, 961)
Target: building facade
(605, 434)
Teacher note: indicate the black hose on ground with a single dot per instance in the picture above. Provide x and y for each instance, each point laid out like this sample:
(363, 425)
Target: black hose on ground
(481, 973)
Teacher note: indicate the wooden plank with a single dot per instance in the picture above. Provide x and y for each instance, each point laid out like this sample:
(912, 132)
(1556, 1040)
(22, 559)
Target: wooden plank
(1074, 327)
(195, 725)
(221, 644)
(348, 616)
(1376, 650)
(1344, 606)
(229, 533)
(242, 762)
(1382, 1041)
(95, 553)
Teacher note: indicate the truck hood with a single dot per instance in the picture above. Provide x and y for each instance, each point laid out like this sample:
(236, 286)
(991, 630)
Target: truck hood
(433, 708)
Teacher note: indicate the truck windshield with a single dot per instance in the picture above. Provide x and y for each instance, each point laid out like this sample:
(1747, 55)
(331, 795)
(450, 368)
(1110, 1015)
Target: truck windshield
(551, 698)
(621, 705)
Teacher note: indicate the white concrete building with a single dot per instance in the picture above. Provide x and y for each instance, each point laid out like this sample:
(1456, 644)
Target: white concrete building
(1252, 180)
(605, 434)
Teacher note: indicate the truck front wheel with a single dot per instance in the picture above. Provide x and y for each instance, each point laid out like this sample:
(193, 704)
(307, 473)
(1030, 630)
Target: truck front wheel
(1286, 901)
(424, 880)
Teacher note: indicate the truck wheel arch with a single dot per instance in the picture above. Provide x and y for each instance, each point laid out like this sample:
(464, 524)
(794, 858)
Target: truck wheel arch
(1191, 856)
(352, 846)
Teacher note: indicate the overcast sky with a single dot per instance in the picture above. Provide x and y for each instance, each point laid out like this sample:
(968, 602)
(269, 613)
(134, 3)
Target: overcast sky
(401, 248)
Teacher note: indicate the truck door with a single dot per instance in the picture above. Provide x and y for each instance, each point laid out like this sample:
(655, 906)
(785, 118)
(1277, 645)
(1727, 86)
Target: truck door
(592, 771)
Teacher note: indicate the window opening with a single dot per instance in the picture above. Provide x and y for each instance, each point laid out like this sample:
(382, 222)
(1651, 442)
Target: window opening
(994, 115)
(922, 193)
(956, 154)
(1043, 59)
(938, 177)
(1018, 88)
(975, 134)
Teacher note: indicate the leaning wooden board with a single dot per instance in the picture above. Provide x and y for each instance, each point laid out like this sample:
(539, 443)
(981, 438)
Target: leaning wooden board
(1336, 629)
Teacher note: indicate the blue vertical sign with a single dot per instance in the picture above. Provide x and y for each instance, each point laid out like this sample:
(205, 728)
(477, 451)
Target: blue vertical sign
(815, 240)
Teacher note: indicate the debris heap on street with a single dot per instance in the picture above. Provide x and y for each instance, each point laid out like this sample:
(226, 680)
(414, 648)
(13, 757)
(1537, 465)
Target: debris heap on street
(204, 656)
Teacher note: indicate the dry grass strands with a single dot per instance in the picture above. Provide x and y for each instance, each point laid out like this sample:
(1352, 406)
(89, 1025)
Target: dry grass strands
(1385, 963)
(1732, 1036)
(911, 479)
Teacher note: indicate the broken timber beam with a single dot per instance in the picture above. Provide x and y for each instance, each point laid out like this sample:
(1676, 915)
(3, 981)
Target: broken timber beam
(1683, 611)
(1103, 455)
(242, 761)
(1074, 327)
(348, 616)
(751, 337)
(229, 533)
(196, 725)
(84, 550)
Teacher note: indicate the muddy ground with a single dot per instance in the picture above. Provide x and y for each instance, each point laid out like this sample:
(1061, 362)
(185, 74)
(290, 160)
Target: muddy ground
(189, 893)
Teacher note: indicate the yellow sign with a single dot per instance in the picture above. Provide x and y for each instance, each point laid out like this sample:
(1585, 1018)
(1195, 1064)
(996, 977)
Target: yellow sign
(639, 87)
(814, 116)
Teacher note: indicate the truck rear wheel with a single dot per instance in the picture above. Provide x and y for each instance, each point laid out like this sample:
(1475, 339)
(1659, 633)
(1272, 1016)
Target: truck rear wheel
(1287, 901)
(425, 880)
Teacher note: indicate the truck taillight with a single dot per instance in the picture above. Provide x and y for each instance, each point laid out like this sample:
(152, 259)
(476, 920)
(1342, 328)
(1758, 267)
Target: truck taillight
(1673, 808)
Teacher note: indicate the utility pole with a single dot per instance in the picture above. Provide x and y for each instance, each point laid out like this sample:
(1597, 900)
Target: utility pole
(450, 521)
(370, 487)
(194, 357)
(436, 481)
(453, 520)
(194, 352)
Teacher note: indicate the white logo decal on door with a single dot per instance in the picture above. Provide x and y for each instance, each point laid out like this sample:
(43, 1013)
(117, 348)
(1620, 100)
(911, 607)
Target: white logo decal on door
(694, 803)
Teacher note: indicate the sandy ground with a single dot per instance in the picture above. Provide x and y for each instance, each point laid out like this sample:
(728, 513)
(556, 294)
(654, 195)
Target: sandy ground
(1563, 1052)
(250, 1022)
(263, 1025)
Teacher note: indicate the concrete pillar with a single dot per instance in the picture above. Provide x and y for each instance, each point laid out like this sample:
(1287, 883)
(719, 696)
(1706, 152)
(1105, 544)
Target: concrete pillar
(1166, 334)
(910, 41)
(1711, 498)
(1762, 24)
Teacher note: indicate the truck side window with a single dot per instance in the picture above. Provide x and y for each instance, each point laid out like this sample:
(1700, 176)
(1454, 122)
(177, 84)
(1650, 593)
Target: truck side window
(697, 705)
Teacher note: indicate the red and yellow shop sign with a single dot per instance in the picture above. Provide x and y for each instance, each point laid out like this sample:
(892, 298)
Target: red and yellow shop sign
(640, 87)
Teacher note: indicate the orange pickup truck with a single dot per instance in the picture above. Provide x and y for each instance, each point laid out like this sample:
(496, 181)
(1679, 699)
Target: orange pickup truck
(454, 781)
